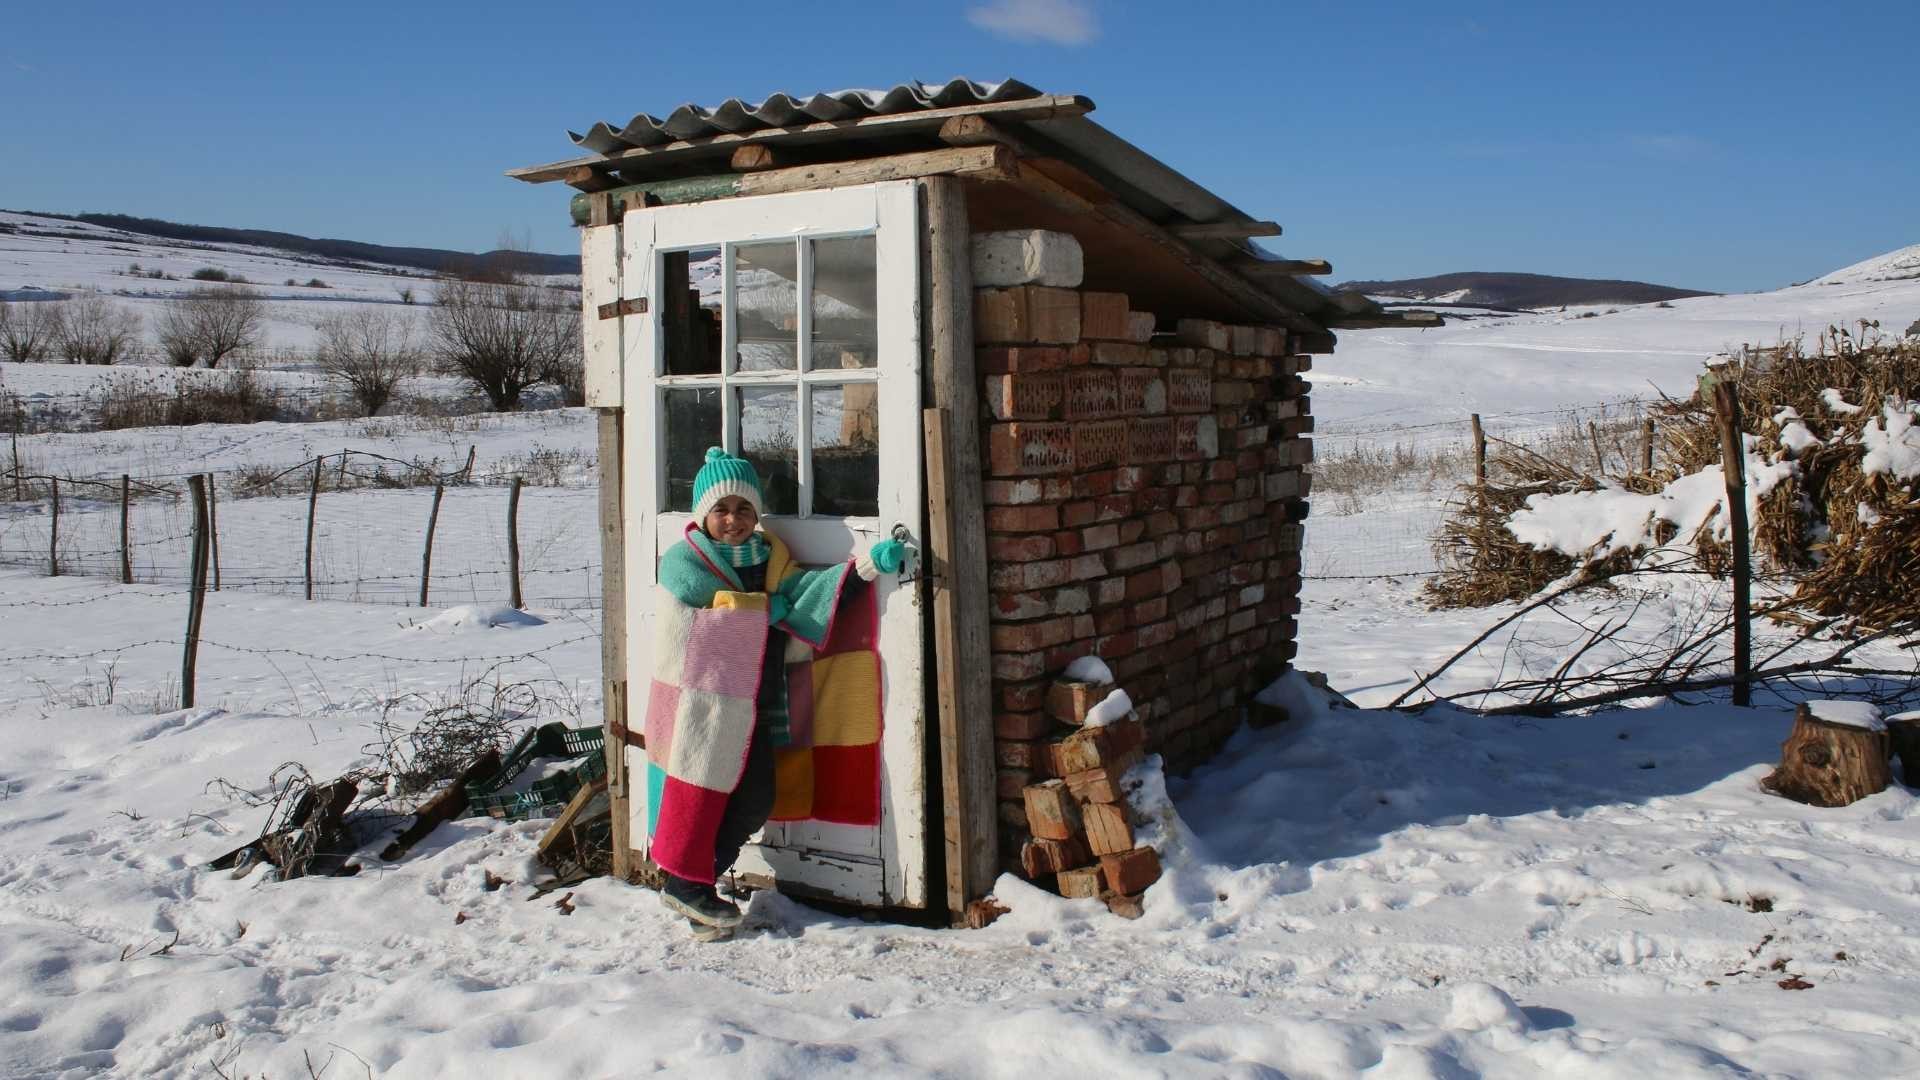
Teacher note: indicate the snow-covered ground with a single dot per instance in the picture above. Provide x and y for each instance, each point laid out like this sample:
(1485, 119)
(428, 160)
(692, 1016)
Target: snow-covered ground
(1357, 892)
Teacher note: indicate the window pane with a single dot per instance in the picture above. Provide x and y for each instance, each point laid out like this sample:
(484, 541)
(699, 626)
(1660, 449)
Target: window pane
(845, 334)
(690, 311)
(769, 437)
(766, 305)
(692, 425)
(846, 450)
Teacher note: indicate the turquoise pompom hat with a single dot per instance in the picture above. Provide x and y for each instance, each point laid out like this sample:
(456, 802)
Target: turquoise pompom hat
(721, 476)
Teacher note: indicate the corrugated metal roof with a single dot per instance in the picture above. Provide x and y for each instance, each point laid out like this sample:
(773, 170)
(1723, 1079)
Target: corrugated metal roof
(734, 116)
(1162, 195)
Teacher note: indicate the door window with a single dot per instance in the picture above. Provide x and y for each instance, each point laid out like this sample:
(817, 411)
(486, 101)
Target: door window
(771, 349)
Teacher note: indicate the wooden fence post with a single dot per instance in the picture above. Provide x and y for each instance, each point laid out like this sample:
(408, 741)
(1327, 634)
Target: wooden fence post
(197, 591)
(426, 557)
(341, 483)
(19, 489)
(1646, 446)
(126, 547)
(513, 541)
(1726, 408)
(1599, 456)
(313, 502)
(213, 527)
(613, 638)
(466, 474)
(1479, 452)
(53, 540)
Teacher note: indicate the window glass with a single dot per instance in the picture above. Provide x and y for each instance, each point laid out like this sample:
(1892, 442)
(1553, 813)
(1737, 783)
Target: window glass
(692, 424)
(846, 450)
(845, 330)
(770, 438)
(766, 305)
(690, 311)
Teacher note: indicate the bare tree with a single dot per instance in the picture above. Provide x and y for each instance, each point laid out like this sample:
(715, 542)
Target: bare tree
(95, 330)
(28, 329)
(503, 337)
(369, 351)
(211, 323)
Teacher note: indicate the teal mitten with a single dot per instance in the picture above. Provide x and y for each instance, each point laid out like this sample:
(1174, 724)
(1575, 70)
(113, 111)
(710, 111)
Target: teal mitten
(777, 609)
(888, 556)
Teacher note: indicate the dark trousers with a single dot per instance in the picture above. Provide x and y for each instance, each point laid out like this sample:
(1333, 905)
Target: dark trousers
(749, 805)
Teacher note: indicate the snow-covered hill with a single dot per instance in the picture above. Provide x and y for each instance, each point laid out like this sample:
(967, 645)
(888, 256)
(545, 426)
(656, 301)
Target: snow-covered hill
(1382, 379)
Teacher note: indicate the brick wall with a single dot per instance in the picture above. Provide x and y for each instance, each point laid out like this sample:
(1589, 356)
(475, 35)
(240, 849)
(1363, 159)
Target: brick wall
(1144, 503)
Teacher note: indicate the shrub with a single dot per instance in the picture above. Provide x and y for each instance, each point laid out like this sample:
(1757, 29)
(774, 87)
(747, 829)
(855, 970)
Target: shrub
(316, 283)
(210, 323)
(95, 330)
(210, 273)
(235, 396)
(369, 352)
(28, 329)
(504, 338)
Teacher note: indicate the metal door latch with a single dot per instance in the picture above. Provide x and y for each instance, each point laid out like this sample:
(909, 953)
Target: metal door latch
(910, 561)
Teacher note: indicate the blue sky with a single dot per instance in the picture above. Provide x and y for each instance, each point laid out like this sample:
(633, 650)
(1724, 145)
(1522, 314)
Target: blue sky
(1716, 146)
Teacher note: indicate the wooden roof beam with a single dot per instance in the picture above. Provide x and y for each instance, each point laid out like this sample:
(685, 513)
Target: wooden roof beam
(1284, 267)
(924, 120)
(1387, 320)
(1224, 230)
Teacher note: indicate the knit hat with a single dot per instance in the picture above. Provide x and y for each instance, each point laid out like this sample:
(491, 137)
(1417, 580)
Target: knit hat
(721, 476)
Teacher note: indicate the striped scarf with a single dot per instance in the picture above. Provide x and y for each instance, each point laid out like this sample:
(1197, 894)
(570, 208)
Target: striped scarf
(751, 552)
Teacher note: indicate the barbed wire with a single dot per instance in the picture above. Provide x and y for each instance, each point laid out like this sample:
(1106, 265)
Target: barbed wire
(118, 650)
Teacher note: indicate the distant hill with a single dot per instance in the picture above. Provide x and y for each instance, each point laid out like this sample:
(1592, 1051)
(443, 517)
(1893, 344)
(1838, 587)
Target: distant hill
(438, 260)
(1498, 290)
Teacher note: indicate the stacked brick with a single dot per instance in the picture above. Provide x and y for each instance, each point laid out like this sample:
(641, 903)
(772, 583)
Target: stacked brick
(1081, 829)
(1145, 497)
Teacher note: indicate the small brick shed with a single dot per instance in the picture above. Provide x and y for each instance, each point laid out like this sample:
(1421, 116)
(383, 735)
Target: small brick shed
(969, 315)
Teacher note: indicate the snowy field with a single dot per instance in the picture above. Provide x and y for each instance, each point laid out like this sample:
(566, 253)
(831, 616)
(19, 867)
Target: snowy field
(1357, 893)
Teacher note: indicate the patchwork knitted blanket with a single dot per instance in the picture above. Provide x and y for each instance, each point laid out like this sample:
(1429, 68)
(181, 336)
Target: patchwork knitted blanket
(710, 639)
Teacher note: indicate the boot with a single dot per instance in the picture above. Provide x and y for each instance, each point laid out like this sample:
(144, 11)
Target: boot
(699, 902)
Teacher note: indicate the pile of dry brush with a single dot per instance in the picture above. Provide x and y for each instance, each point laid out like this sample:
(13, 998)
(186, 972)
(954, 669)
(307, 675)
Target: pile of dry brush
(1848, 540)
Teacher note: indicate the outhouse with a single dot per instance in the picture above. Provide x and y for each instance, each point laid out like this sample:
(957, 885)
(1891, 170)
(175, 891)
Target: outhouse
(970, 316)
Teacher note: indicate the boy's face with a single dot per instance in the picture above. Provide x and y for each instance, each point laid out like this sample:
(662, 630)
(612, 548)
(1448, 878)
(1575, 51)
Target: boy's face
(732, 520)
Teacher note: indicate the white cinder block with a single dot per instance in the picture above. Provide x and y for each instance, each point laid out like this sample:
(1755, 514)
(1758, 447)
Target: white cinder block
(1026, 257)
(1140, 326)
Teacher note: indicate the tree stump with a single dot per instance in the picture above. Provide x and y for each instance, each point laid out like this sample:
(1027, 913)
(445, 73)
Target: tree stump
(1903, 737)
(1836, 754)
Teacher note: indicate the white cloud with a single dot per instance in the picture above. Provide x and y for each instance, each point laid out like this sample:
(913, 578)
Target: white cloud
(1058, 22)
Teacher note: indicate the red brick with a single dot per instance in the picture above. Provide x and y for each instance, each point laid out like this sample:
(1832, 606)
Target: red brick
(1025, 314)
(1020, 519)
(1129, 478)
(1119, 354)
(1025, 577)
(1099, 443)
(1112, 620)
(1088, 485)
(1024, 697)
(1076, 514)
(1099, 537)
(1012, 667)
(1031, 395)
(1100, 785)
(1022, 754)
(1147, 611)
(1083, 882)
(1122, 905)
(1025, 448)
(1009, 783)
(1029, 358)
(1019, 548)
(1029, 636)
(1068, 543)
(1041, 856)
(1203, 333)
(1068, 701)
(1142, 392)
(1156, 634)
(1132, 556)
(1150, 440)
(1196, 437)
(1091, 393)
(1052, 813)
(1113, 507)
(1131, 871)
(1109, 591)
(1131, 530)
(1103, 316)
(1108, 830)
(1023, 492)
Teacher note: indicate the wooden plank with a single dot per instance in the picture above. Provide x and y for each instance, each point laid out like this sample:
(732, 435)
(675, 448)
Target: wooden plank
(1387, 320)
(957, 550)
(871, 127)
(585, 178)
(974, 162)
(1224, 230)
(633, 305)
(1283, 267)
(613, 634)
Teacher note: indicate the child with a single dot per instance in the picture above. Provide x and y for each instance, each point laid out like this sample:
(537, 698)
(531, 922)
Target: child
(731, 599)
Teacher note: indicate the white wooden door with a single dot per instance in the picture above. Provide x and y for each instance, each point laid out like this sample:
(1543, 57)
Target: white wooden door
(786, 328)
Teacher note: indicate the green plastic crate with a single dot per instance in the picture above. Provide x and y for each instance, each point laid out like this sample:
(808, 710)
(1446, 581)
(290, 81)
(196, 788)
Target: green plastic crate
(547, 797)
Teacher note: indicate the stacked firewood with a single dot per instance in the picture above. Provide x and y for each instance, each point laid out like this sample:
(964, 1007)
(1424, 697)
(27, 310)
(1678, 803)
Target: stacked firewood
(1083, 840)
